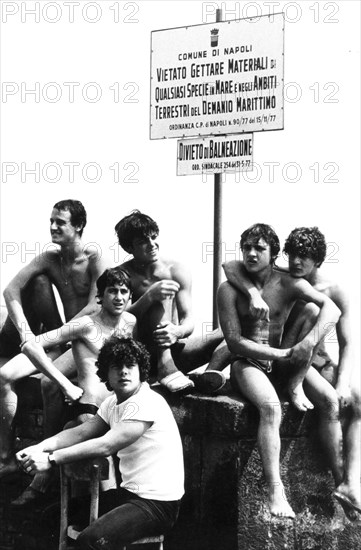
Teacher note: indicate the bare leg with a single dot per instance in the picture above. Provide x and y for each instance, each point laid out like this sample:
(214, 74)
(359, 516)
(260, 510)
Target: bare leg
(168, 374)
(15, 369)
(40, 309)
(254, 384)
(53, 400)
(349, 489)
(301, 322)
(325, 398)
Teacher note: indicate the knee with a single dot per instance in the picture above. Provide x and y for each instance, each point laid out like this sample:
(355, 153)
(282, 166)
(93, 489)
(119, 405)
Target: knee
(328, 405)
(356, 402)
(5, 379)
(86, 540)
(40, 284)
(48, 387)
(271, 412)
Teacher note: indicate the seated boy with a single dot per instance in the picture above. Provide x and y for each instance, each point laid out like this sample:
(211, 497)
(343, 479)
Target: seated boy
(87, 334)
(256, 345)
(162, 303)
(138, 425)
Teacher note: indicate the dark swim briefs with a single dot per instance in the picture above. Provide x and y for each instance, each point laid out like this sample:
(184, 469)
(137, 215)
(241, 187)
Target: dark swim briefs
(263, 365)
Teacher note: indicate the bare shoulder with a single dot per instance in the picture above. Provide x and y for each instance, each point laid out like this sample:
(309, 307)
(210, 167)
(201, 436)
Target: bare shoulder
(129, 318)
(95, 254)
(178, 270)
(226, 290)
(127, 266)
(335, 292)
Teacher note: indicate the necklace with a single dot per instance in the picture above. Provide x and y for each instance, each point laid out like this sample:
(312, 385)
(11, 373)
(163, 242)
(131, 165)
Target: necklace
(65, 278)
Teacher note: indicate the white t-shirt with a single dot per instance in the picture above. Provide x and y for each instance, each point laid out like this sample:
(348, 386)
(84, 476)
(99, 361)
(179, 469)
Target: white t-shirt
(152, 467)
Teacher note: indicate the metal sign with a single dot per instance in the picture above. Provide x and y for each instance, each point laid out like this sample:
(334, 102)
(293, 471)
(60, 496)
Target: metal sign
(214, 155)
(217, 78)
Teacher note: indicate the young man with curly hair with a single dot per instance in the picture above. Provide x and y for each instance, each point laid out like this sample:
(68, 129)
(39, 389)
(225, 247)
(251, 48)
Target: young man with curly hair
(306, 249)
(138, 425)
(257, 347)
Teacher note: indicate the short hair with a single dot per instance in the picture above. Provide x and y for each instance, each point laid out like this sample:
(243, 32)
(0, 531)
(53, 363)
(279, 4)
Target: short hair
(77, 212)
(263, 231)
(306, 242)
(122, 351)
(110, 277)
(135, 226)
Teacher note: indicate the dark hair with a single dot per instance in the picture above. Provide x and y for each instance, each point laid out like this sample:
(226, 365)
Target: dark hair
(110, 277)
(135, 226)
(259, 231)
(122, 351)
(77, 212)
(306, 242)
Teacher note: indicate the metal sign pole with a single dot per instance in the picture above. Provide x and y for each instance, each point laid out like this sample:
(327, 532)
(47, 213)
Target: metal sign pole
(217, 230)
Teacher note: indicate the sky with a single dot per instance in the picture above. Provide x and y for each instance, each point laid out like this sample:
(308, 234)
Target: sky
(75, 112)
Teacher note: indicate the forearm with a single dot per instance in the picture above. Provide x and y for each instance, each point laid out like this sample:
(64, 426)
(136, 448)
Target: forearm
(16, 313)
(326, 321)
(234, 274)
(141, 306)
(38, 357)
(344, 364)
(248, 348)
(80, 451)
(64, 439)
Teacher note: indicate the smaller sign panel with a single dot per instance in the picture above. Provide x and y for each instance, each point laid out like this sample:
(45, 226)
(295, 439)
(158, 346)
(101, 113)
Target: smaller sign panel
(215, 154)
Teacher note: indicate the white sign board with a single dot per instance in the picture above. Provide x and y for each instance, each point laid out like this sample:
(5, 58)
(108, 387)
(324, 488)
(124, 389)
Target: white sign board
(215, 154)
(217, 78)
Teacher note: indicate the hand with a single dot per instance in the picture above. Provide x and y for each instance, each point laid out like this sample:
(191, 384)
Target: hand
(72, 393)
(258, 309)
(162, 290)
(26, 337)
(166, 334)
(344, 393)
(35, 461)
(301, 353)
(25, 458)
(284, 354)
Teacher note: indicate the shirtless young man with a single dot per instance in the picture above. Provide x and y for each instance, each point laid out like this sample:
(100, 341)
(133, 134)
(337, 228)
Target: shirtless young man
(306, 250)
(256, 344)
(162, 305)
(88, 334)
(73, 269)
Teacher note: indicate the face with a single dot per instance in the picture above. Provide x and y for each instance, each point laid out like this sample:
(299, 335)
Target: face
(61, 229)
(124, 379)
(146, 249)
(256, 255)
(115, 299)
(301, 266)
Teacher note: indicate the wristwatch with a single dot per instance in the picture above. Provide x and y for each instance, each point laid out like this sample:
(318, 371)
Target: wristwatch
(51, 459)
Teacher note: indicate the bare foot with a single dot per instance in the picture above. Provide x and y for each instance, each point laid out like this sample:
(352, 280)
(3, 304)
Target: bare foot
(349, 499)
(298, 398)
(8, 467)
(278, 503)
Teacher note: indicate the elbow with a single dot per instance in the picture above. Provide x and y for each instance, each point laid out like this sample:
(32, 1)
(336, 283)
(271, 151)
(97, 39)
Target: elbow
(7, 294)
(106, 449)
(336, 312)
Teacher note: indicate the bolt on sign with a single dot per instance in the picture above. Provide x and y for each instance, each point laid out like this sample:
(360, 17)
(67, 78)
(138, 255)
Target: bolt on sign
(215, 154)
(217, 78)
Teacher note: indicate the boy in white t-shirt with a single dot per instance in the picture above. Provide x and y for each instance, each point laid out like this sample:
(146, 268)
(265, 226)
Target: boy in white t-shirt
(138, 425)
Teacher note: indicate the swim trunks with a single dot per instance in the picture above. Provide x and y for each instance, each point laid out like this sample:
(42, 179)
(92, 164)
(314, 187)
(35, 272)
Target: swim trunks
(263, 365)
